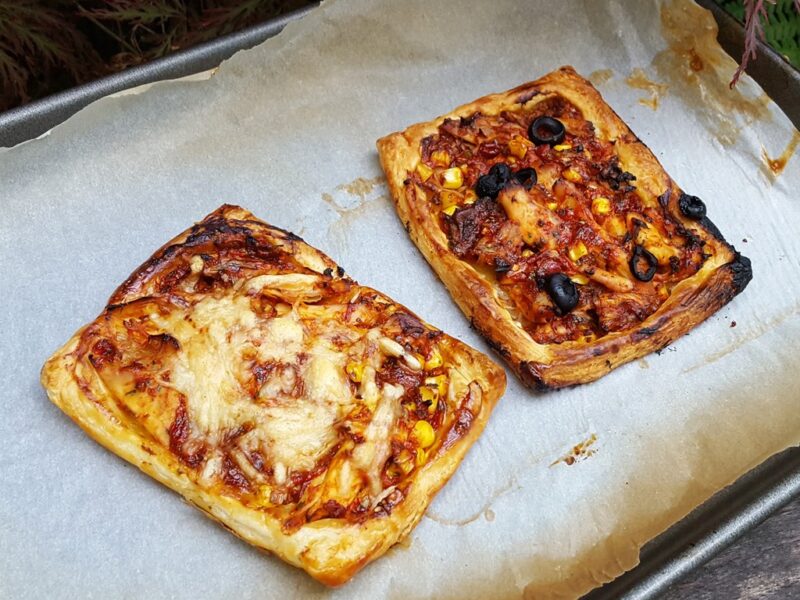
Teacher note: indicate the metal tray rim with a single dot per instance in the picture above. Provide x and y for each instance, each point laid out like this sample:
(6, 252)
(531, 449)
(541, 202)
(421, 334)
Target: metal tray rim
(36, 118)
(686, 545)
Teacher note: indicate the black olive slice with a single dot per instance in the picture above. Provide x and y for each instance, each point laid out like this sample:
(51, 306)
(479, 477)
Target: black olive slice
(562, 291)
(489, 185)
(640, 255)
(692, 207)
(547, 130)
(526, 177)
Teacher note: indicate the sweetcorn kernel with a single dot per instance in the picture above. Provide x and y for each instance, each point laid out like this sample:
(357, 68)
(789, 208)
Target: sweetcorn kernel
(264, 493)
(421, 457)
(616, 227)
(552, 205)
(355, 371)
(424, 171)
(434, 361)
(407, 465)
(450, 210)
(430, 396)
(579, 278)
(441, 158)
(449, 198)
(452, 178)
(601, 206)
(424, 434)
(562, 147)
(517, 147)
(572, 175)
(439, 382)
(577, 251)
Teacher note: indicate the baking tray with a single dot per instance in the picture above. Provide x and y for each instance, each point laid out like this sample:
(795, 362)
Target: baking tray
(36, 118)
(685, 546)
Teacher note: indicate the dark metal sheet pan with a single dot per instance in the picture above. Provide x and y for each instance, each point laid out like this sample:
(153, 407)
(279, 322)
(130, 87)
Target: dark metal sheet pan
(685, 546)
(32, 120)
(729, 514)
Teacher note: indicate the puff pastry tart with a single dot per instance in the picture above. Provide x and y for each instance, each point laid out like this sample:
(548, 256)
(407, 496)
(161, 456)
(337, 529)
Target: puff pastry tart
(557, 231)
(312, 416)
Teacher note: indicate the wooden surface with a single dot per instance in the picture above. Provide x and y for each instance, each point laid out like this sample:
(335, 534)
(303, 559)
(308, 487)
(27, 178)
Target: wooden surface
(763, 564)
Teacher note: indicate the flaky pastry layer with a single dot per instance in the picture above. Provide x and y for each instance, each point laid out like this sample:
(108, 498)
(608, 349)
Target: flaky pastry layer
(313, 417)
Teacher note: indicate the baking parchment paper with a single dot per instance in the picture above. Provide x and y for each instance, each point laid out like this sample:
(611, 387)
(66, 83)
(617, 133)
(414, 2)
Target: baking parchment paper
(563, 488)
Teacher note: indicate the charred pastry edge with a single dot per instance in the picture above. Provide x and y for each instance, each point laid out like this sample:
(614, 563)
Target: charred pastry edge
(74, 385)
(228, 223)
(551, 366)
(742, 270)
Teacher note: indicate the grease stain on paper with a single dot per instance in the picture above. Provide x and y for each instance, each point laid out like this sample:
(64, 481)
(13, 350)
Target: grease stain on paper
(600, 76)
(638, 80)
(348, 216)
(352, 201)
(328, 199)
(698, 71)
(753, 334)
(484, 511)
(775, 166)
(579, 452)
(360, 188)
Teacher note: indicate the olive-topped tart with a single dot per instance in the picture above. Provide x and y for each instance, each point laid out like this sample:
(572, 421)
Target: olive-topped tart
(557, 231)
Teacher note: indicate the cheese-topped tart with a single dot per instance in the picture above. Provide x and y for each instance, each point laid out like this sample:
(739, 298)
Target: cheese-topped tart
(312, 416)
(557, 231)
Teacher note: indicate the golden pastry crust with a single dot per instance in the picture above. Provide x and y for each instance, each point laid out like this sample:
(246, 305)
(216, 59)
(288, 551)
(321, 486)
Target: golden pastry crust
(313, 417)
(706, 274)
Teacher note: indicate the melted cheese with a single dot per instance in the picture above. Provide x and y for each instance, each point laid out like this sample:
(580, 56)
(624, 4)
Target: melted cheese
(290, 287)
(370, 456)
(222, 340)
(208, 367)
(210, 370)
(301, 432)
(280, 384)
(528, 214)
(298, 434)
(281, 339)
